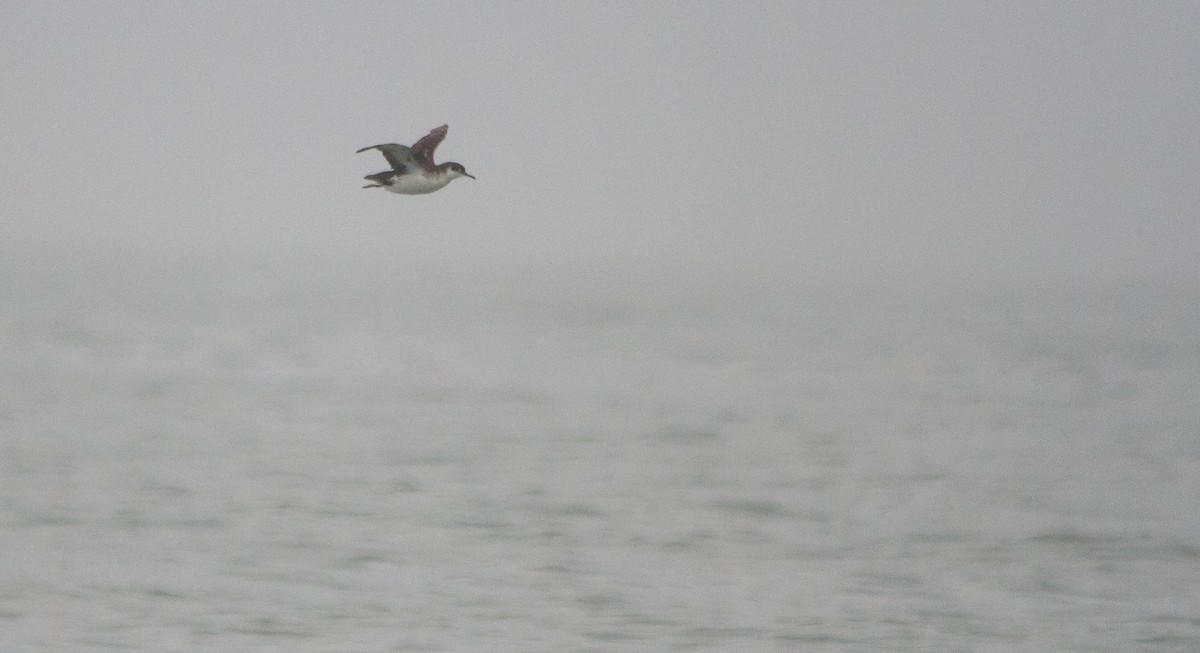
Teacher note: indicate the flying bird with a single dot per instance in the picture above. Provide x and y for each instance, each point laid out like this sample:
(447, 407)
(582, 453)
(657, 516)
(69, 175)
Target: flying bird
(413, 170)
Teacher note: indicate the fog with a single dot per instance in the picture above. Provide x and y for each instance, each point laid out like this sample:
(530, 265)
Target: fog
(764, 326)
(683, 140)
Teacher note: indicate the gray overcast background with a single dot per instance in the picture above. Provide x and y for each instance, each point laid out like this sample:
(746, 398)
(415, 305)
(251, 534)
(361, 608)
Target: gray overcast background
(768, 138)
(766, 326)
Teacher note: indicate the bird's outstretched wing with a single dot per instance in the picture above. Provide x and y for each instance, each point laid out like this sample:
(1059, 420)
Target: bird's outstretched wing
(423, 149)
(400, 157)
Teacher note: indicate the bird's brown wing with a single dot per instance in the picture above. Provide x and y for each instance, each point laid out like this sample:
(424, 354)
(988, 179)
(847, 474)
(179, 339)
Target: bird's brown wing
(422, 150)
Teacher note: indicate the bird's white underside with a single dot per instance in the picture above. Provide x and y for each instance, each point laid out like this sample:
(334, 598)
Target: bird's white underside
(413, 184)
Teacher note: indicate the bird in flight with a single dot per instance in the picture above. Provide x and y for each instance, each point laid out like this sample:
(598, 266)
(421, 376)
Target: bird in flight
(413, 170)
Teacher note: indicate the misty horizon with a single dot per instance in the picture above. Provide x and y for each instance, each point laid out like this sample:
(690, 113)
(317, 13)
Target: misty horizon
(777, 139)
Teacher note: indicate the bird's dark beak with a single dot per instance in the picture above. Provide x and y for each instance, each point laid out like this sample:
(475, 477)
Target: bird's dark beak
(467, 174)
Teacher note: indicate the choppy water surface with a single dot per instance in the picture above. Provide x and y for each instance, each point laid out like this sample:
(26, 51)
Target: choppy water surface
(298, 460)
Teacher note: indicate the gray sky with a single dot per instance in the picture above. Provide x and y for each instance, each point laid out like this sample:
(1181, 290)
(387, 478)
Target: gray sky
(771, 137)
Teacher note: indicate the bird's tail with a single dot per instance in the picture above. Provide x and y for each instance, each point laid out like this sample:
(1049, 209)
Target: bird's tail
(379, 179)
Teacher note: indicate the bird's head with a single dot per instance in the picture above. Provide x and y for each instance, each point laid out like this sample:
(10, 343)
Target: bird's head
(456, 170)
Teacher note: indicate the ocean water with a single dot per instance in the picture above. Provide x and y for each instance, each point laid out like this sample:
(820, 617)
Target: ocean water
(309, 456)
